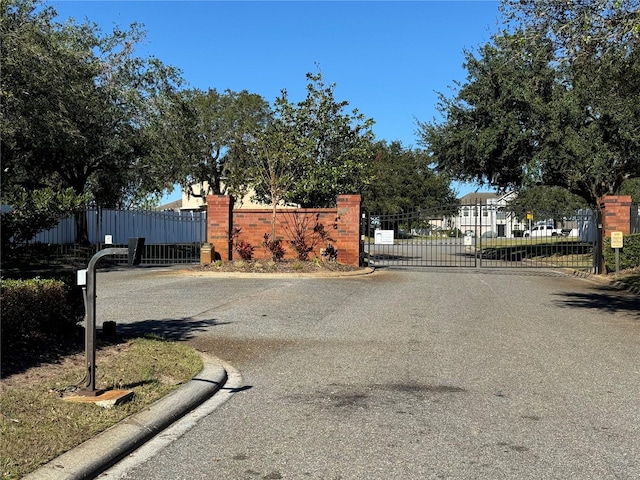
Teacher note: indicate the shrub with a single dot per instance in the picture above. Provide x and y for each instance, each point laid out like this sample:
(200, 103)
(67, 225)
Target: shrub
(302, 237)
(629, 253)
(244, 249)
(274, 247)
(38, 309)
(331, 253)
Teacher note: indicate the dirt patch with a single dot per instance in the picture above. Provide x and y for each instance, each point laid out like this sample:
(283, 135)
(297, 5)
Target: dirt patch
(240, 351)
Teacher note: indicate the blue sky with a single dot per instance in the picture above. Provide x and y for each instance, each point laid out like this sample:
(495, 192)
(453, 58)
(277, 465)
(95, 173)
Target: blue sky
(388, 59)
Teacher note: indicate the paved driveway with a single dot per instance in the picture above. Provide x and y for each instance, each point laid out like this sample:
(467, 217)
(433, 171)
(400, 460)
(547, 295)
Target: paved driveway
(419, 374)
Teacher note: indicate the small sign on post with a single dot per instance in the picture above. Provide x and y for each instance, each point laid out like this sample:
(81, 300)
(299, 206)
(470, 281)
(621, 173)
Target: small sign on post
(617, 242)
(81, 277)
(617, 239)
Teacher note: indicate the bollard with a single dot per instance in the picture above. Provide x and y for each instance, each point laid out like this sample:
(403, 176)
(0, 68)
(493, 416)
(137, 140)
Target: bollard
(206, 254)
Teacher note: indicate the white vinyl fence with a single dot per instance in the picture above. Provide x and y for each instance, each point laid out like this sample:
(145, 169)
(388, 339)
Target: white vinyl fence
(157, 227)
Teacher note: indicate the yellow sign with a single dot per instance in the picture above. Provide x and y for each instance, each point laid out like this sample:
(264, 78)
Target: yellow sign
(529, 216)
(616, 239)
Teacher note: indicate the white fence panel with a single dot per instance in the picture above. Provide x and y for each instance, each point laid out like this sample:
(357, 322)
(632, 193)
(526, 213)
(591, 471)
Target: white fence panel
(587, 227)
(156, 227)
(62, 234)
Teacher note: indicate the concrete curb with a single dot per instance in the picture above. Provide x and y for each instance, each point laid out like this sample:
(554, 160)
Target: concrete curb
(104, 450)
(609, 281)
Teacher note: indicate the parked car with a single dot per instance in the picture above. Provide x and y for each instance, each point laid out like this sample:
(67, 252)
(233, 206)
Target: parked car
(489, 234)
(543, 231)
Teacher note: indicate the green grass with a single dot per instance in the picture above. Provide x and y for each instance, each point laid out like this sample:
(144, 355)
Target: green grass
(36, 425)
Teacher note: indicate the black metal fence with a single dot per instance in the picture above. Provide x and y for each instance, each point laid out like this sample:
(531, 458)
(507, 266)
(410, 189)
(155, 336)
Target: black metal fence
(634, 218)
(479, 235)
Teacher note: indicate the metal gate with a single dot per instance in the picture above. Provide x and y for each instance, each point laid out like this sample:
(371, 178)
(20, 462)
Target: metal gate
(479, 235)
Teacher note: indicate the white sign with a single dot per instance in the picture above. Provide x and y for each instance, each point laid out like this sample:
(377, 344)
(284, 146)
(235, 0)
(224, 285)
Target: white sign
(384, 237)
(82, 277)
(468, 240)
(108, 239)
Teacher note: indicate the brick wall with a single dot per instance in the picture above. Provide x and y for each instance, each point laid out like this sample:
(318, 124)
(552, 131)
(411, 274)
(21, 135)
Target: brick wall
(341, 223)
(616, 214)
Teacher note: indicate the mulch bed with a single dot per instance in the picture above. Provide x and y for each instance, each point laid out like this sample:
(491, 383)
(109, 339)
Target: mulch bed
(283, 266)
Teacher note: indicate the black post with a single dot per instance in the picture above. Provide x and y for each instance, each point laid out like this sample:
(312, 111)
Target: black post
(90, 327)
(134, 253)
(597, 248)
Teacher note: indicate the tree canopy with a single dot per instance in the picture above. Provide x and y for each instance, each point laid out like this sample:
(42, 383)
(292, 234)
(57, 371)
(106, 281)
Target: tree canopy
(198, 133)
(543, 106)
(75, 103)
(578, 28)
(320, 150)
(402, 181)
(76, 106)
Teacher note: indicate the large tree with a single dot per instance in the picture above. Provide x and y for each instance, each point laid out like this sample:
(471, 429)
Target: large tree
(578, 29)
(492, 126)
(75, 104)
(404, 181)
(542, 108)
(341, 146)
(328, 148)
(199, 132)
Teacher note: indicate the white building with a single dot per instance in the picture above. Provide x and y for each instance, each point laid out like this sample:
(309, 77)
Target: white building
(487, 214)
(199, 201)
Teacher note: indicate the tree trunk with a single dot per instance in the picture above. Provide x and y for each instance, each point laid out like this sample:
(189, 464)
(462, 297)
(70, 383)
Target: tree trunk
(273, 221)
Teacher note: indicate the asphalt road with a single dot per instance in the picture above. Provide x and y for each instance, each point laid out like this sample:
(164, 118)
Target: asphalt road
(412, 374)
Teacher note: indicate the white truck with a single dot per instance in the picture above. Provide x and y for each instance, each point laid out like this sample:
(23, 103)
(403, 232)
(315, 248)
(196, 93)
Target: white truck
(543, 231)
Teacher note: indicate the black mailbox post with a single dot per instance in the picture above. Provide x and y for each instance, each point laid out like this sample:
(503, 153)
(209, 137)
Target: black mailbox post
(134, 253)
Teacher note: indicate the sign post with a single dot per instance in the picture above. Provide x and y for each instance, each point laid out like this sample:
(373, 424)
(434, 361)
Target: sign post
(617, 242)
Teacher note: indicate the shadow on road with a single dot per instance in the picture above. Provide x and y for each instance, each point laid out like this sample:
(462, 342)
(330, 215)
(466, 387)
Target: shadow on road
(606, 299)
(174, 329)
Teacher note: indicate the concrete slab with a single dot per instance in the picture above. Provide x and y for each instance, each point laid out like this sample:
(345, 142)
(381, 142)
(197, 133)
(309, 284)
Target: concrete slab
(107, 399)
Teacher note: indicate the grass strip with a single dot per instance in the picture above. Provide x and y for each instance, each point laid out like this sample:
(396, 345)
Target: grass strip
(36, 425)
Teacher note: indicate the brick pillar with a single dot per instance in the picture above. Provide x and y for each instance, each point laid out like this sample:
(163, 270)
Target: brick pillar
(219, 224)
(348, 241)
(616, 214)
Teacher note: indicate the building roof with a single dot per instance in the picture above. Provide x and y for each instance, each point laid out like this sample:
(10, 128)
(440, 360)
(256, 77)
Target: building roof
(175, 205)
(477, 197)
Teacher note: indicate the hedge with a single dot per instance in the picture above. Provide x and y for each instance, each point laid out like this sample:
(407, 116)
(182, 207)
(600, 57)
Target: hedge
(37, 309)
(629, 253)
